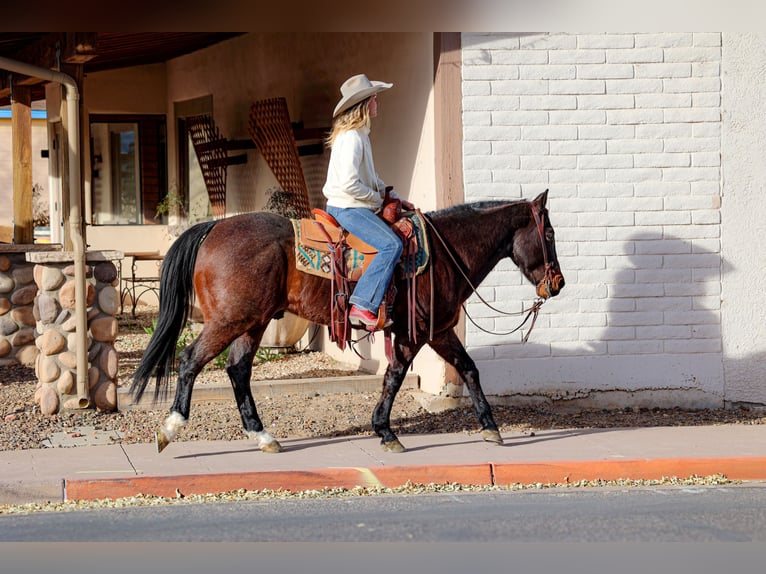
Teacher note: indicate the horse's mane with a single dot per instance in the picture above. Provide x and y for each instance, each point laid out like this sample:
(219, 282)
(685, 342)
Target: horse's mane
(465, 208)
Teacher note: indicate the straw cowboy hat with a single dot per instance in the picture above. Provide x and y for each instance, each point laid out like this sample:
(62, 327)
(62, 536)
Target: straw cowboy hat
(356, 89)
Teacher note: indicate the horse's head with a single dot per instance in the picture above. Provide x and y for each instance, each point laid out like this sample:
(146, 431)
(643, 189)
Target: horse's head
(534, 250)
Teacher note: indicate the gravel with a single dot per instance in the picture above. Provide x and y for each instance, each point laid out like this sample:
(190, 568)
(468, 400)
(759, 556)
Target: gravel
(22, 426)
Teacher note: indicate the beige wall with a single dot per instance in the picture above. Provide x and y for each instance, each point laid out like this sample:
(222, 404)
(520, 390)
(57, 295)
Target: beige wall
(39, 165)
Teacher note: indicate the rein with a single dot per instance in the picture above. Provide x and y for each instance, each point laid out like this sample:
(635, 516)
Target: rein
(531, 312)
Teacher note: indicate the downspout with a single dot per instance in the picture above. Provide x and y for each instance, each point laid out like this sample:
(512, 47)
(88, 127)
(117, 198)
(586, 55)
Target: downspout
(75, 220)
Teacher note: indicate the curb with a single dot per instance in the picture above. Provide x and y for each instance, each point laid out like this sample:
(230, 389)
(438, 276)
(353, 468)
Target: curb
(489, 474)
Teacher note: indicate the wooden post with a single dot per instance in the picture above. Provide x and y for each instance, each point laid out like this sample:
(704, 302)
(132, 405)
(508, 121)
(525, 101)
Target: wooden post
(448, 151)
(21, 127)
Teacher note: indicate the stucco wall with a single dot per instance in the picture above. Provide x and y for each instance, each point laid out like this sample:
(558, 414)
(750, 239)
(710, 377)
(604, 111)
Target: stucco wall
(742, 216)
(625, 130)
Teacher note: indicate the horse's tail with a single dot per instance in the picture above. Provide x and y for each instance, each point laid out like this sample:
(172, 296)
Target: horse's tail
(176, 297)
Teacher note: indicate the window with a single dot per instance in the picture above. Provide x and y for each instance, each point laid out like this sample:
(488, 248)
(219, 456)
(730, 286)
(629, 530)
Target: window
(129, 168)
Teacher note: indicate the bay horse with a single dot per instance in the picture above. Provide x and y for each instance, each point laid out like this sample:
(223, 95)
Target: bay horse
(243, 273)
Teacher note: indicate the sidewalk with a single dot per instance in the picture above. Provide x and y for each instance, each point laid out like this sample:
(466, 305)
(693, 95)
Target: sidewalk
(119, 470)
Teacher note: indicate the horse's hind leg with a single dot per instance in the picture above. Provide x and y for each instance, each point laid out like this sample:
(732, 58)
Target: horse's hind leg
(239, 367)
(191, 361)
(448, 347)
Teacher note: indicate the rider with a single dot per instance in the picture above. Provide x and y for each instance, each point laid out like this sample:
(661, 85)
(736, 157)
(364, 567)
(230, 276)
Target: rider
(355, 192)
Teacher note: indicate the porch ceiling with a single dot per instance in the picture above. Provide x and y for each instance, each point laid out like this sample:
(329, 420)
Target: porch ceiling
(96, 51)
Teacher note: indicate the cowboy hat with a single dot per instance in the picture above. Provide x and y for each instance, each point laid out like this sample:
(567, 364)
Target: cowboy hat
(356, 89)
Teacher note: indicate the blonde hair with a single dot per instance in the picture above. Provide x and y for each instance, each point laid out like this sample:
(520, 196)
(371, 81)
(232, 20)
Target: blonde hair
(353, 118)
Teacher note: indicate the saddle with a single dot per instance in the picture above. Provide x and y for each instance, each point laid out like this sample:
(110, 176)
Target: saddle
(324, 248)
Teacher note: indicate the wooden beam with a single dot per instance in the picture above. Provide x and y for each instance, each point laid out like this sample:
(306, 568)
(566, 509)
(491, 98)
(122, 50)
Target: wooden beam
(21, 129)
(51, 52)
(448, 121)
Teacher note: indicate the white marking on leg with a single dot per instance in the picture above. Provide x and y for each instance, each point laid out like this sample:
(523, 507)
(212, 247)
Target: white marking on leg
(262, 437)
(172, 425)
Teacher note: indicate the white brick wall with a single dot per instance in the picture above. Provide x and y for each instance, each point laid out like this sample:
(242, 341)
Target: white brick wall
(625, 130)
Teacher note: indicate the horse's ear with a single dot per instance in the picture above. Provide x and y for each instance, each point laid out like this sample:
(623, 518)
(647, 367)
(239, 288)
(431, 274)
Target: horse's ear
(542, 199)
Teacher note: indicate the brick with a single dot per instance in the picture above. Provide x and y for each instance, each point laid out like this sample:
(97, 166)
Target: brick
(547, 72)
(688, 203)
(663, 160)
(691, 85)
(677, 304)
(521, 147)
(491, 72)
(605, 102)
(519, 176)
(634, 347)
(662, 247)
(543, 102)
(706, 69)
(664, 131)
(548, 162)
(549, 132)
(690, 318)
(706, 100)
(606, 132)
(491, 162)
(608, 248)
(548, 42)
(691, 174)
(490, 41)
(636, 318)
(578, 176)
(579, 147)
(520, 87)
(633, 291)
(707, 38)
(490, 103)
(489, 133)
(645, 116)
(609, 333)
(693, 115)
(516, 57)
(577, 87)
(633, 146)
(634, 55)
(635, 86)
(611, 161)
(694, 54)
(664, 40)
(634, 204)
(664, 332)
(580, 56)
(604, 71)
(519, 118)
(476, 88)
(477, 118)
(663, 218)
(577, 117)
(590, 41)
(608, 219)
(691, 144)
(633, 175)
(676, 70)
(477, 148)
(478, 57)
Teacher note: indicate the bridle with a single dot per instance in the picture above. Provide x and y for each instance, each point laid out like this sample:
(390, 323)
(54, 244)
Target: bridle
(544, 285)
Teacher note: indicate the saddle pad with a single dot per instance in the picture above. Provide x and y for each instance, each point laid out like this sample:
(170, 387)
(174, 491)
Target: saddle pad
(312, 254)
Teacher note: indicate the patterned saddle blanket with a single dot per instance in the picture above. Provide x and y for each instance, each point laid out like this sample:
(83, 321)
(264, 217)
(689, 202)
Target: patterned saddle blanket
(312, 252)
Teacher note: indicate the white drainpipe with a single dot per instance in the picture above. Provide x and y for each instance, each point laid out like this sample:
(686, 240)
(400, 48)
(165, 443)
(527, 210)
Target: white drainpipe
(75, 221)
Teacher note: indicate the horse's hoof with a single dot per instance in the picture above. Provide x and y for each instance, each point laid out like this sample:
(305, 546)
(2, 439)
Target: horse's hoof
(393, 446)
(161, 440)
(492, 436)
(272, 446)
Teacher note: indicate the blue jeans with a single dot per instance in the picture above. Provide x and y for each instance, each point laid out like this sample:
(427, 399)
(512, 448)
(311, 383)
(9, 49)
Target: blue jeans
(372, 285)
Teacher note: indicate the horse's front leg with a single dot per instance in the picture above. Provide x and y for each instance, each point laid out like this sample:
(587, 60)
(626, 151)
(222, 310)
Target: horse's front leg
(191, 361)
(448, 347)
(239, 367)
(404, 353)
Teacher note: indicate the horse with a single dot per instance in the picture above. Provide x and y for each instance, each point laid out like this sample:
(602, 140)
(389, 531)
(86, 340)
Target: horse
(242, 271)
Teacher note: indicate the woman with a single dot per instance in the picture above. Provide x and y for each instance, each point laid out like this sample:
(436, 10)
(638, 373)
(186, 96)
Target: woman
(355, 192)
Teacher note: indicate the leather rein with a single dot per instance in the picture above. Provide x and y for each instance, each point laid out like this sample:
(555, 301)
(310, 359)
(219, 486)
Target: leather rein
(534, 310)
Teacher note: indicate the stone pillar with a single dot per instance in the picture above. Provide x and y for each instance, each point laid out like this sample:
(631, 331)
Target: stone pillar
(54, 312)
(17, 323)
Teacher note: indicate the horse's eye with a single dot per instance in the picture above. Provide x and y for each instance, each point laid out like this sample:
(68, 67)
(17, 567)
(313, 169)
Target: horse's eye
(549, 234)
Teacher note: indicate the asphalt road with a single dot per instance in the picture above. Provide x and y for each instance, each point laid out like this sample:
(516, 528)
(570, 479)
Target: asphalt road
(662, 515)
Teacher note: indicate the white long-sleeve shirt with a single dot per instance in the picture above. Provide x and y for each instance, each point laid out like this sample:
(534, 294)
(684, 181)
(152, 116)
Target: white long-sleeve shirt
(351, 177)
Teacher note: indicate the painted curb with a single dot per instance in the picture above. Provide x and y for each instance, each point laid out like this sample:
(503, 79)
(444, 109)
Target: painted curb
(736, 468)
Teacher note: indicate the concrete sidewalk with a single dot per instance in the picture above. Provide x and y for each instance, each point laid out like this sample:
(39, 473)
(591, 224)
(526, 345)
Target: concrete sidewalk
(556, 456)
